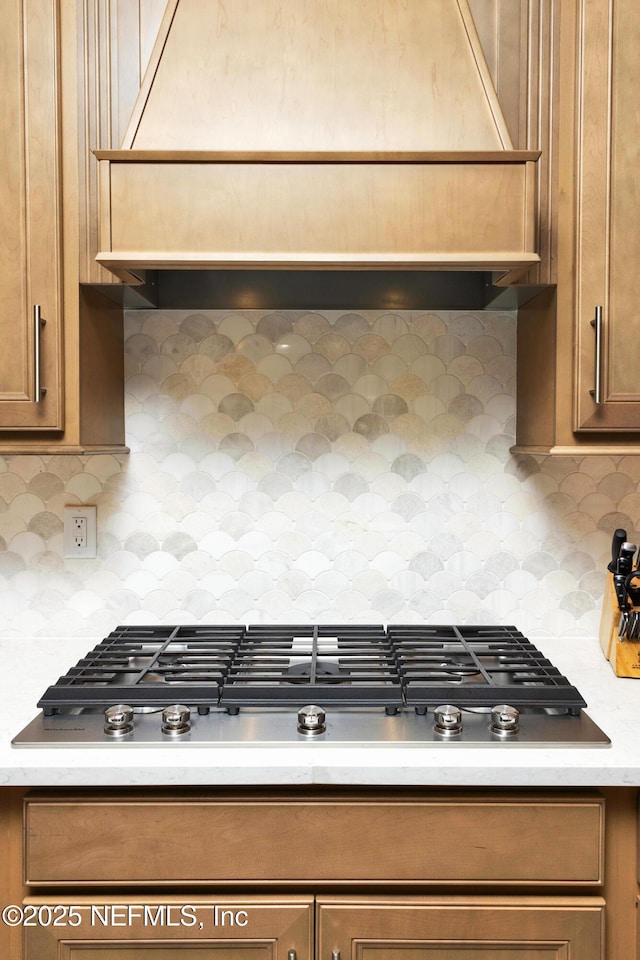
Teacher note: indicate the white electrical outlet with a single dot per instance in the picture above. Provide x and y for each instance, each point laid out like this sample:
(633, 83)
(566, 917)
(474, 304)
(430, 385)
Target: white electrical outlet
(80, 534)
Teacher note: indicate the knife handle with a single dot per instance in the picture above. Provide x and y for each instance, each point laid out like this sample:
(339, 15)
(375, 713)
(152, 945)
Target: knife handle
(619, 537)
(619, 584)
(632, 588)
(625, 558)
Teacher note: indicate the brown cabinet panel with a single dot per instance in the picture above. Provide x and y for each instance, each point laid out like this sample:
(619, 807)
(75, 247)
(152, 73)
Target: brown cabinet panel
(461, 928)
(11, 888)
(368, 922)
(464, 928)
(160, 949)
(608, 241)
(526, 841)
(111, 928)
(30, 214)
(80, 406)
(561, 354)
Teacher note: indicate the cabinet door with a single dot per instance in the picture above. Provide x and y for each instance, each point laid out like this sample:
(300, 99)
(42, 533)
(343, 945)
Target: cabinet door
(30, 257)
(109, 928)
(461, 928)
(608, 238)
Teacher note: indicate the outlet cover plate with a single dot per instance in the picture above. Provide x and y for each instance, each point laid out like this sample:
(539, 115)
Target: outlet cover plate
(73, 550)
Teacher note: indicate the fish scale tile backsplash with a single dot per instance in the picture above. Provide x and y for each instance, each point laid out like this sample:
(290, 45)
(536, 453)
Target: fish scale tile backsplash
(328, 467)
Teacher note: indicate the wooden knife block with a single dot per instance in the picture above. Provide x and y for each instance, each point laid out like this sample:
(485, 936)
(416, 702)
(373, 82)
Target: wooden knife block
(623, 655)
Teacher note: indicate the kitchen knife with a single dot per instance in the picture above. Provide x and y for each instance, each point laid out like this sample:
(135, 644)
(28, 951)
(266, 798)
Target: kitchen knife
(619, 537)
(624, 563)
(619, 585)
(623, 626)
(632, 586)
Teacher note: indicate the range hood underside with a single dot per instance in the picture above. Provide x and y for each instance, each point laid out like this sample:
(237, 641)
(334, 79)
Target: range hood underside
(310, 290)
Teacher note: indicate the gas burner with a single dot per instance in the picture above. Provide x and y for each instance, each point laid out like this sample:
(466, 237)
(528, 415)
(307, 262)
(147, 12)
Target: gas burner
(455, 672)
(326, 671)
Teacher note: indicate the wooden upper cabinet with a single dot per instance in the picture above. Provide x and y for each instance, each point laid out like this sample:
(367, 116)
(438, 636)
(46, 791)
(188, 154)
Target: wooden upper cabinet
(577, 353)
(61, 364)
(30, 217)
(608, 212)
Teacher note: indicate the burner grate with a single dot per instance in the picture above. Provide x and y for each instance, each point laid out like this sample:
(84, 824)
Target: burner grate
(293, 665)
(149, 667)
(488, 664)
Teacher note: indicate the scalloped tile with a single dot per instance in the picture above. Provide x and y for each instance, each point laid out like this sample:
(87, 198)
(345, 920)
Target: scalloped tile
(373, 445)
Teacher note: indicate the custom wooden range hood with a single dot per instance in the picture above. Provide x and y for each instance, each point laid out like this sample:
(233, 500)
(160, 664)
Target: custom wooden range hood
(317, 134)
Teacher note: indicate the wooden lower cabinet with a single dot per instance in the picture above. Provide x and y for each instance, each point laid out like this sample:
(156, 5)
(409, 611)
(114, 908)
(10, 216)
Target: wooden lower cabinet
(347, 928)
(461, 928)
(164, 928)
(320, 874)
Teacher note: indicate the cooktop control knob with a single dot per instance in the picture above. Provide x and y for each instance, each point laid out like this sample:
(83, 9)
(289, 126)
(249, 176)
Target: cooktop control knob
(447, 719)
(176, 719)
(311, 720)
(505, 719)
(118, 720)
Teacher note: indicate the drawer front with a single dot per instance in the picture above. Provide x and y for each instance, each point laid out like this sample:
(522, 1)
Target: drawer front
(208, 841)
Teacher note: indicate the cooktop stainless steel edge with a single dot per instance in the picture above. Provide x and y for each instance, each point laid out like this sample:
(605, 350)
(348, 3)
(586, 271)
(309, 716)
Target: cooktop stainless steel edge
(264, 728)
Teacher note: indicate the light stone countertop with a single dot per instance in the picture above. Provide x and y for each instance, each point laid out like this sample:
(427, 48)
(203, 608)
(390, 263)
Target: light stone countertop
(27, 668)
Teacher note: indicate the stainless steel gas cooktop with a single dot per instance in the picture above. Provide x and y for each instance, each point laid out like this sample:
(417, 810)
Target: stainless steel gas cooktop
(331, 684)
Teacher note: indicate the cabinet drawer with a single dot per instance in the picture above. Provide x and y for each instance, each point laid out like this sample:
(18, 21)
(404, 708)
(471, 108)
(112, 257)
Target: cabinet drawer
(183, 840)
